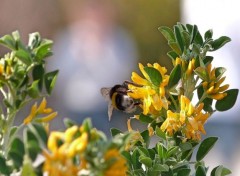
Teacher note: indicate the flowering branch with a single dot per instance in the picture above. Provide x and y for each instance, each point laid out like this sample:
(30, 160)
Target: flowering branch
(164, 99)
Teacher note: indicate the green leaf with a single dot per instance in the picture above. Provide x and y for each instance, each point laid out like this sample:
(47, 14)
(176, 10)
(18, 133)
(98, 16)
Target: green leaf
(8, 41)
(68, 122)
(160, 133)
(187, 155)
(145, 118)
(186, 38)
(13, 130)
(135, 159)
(185, 146)
(17, 146)
(16, 35)
(44, 50)
(171, 161)
(208, 60)
(4, 169)
(198, 39)
(38, 74)
(152, 153)
(193, 30)
(154, 75)
(126, 155)
(50, 80)
(162, 151)
(87, 124)
(220, 171)
(175, 76)
(208, 34)
(219, 72)
(24, 56)
(202, 73)
(34, 40)
(33, 90)
(39, 131)
(167, 33)
(206, 145)
(172, 151)
(207, 101)
(220, 42)
(16, 157)
(34, 149)
(227, 102)
(179, 38)
(146, 161)
(184, 172)
(208, 105)
(175, 47)
(28, 169)
(115, 131)
(143, 151)
(196, 49)
(180, 165)
(161, 167)
(200, 171)
(173, 55)
(146, 137)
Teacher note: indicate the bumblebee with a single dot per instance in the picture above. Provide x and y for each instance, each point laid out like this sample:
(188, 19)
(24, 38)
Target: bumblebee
(117, 98)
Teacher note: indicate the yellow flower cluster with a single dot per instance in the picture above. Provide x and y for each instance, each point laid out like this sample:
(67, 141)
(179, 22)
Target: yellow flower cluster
(63, 146)
(39, 110)
(190, 120)
(152, 97)
(5, 71)
(188, 66)
(118, 166)
(213, 86)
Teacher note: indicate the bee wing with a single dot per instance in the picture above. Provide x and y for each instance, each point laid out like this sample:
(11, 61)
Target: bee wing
(110, 110)
(105, 92)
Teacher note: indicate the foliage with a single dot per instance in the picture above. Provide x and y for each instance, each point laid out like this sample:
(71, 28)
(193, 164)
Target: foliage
(165, 101)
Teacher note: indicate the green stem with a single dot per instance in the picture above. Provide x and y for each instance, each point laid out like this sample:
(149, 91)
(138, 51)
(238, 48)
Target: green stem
(174, 102)
(6, 131)
(202, 98)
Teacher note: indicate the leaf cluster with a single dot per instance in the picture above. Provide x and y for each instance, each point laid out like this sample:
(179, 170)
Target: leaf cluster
(170, 157)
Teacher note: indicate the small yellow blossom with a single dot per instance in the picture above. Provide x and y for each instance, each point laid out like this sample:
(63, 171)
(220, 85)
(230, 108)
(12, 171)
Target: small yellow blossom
(187, 66)
(35, 111)
(191, 67)
(134, 138)
(117, 164)
(213, 86)
(152, 97)
(63, 146)
(1, 70)
(190, 120)
(150, 131)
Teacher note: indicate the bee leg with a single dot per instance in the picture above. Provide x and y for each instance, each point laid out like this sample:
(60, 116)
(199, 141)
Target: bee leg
(137, 103)
(125, 83)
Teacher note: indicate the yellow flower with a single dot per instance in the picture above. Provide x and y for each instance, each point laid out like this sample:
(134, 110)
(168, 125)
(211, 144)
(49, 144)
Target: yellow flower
(190, 120)
(63, 146)
(187, 66)
(1, 70)
(172, 124)
(134, 138)
(150, 131)
(152, 97)
(55, 167)
(117, 164)
(35, 111)
(213, 86)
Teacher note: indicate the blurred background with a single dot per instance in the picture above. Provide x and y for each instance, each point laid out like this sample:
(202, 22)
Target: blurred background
(98, 43)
